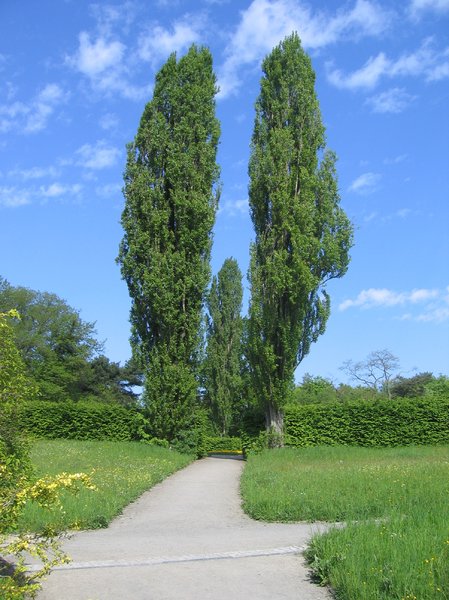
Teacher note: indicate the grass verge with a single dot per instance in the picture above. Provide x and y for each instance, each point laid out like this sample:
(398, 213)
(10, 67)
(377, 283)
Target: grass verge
(121, 471)
(395, 503)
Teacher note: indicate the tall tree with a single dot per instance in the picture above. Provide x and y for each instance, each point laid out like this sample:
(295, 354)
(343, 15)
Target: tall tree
(302, 237)
(171, 198)
(223, 379)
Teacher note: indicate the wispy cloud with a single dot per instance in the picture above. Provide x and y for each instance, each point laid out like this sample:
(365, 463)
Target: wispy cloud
(233, 208)
(34, 173)
(57, 189)
(98, 156)
(33, 116)
(393, 101)
(367, 183)
(419, 7)
(266, 22)
(426, 62)
(382, 297)
(12, 197)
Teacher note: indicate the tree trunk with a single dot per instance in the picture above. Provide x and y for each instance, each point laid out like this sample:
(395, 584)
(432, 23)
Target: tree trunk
(275, 425)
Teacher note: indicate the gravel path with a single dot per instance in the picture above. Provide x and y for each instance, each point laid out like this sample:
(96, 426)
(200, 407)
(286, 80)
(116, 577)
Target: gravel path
(188, 539)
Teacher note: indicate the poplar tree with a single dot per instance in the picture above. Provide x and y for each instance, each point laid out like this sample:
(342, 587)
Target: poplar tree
(302, 236)
(223, 380)
(171, 199)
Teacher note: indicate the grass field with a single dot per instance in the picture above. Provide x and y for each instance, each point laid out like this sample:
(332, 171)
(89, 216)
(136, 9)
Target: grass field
(121, 471)
(395, 502)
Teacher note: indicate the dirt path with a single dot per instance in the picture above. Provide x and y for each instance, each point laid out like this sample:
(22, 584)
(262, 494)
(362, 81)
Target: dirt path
(188, 539)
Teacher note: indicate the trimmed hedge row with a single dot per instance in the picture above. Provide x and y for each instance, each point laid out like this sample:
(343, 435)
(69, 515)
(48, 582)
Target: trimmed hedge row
(79, 421)
(401, 422)
(221, 444)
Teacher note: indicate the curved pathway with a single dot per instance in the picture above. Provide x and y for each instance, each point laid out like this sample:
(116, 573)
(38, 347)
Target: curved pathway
(188, 539)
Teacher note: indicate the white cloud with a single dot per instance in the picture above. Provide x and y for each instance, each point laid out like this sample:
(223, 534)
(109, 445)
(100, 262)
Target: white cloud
(33, 116)
(365, 183)
(266, 22)
(102, 62)
(158, 43)
(418, 7)
(92, 58)
(393, 101)
(99, 156)
(382, 297)
(11, 197)
(425, 62)
(55, 190)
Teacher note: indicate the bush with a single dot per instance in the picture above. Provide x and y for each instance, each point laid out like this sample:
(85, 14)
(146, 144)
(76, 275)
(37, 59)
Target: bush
(80, 421)
(384, 423)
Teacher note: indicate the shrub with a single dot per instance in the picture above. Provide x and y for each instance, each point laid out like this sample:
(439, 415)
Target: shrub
(223, 444)
(384, 423)
(80, 421)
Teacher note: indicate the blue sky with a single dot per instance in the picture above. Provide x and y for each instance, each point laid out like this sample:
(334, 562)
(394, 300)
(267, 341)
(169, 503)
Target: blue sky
(75, 77)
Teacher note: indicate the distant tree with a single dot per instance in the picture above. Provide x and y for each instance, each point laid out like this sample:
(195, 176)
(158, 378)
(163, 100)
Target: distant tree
(171, 200)
(55, 343)
(303, 237)
(315, 390)
(410, 387)
(376, 372)
(348, 393)
(222, 367)
(438, 387)
(108, 381)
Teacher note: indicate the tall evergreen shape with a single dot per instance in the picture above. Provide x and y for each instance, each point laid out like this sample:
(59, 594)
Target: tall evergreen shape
(171, 199)
(224, 334)
(302, 238)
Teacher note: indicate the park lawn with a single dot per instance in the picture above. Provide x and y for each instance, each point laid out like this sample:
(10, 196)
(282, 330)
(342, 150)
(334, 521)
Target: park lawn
(394, 501)
(121, 472)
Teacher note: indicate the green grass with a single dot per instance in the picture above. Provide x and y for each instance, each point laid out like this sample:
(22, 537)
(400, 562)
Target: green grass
(395, 502)
(121, 471)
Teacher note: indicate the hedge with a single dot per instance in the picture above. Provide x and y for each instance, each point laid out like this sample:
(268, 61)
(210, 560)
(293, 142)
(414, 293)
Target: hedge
(79, 421)
(400, 422)
(223, 444)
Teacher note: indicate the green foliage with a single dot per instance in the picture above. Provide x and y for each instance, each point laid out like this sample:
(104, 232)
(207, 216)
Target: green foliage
(302, 238)
(222, 365)
(400, 422)
(193, 438)
(438, 388)
(55, 343)
(314, 390)
(80, 421)
(229, 443)
(167, 220)
(410, 387)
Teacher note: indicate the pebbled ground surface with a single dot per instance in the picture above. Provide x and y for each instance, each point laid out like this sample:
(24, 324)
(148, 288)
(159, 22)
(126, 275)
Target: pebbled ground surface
(188, 539)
